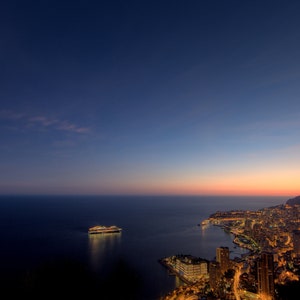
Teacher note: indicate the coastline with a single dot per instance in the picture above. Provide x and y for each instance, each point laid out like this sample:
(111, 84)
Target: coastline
(54, 225)
(172, 271)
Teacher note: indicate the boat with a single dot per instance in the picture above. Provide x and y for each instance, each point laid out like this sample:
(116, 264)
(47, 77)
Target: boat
(104, 229)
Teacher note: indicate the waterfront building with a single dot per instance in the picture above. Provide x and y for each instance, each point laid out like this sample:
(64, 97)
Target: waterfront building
(191, 268)
(265, 275)
(223, 258)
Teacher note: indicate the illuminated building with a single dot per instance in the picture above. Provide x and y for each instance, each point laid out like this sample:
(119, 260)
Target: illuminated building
(248, 226)
(223, 258)
(296, 242)
(190, 267)
(214, 274)
(265, 273)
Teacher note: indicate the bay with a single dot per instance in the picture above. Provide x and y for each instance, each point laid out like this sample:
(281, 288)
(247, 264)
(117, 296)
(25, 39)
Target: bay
(38, 231)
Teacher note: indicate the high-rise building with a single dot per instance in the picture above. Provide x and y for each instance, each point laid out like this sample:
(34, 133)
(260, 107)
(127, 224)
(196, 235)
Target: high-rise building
(223, 258)
(265, 274)
(296, 242)
(248, 226)
(214, 274)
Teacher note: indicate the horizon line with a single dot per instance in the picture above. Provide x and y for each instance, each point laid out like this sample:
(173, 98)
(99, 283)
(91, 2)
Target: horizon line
(141, 195)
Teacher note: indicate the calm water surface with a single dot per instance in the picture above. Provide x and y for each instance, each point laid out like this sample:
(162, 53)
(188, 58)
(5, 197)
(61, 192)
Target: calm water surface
(36, 230)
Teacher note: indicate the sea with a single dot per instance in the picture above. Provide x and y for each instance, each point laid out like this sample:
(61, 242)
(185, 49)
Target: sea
(45, 245)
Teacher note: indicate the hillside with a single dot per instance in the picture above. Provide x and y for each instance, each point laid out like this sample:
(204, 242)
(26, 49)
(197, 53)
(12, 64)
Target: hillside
(293, 201)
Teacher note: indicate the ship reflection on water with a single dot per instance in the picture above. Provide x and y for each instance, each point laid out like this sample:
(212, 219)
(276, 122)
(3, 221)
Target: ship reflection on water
(100, 245)
(204, 226)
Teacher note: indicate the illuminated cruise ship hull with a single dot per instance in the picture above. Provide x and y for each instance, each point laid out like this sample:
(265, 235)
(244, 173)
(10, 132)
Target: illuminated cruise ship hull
(104, 229)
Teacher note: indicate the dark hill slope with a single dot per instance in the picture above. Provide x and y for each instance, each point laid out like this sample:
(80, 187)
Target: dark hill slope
(294, 201)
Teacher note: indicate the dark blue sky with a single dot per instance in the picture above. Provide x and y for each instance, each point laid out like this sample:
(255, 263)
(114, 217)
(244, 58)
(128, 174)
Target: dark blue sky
(159, 97)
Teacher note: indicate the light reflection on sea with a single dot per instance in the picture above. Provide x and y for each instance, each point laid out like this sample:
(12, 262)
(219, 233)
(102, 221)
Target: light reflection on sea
(36, 229)
(99, 245)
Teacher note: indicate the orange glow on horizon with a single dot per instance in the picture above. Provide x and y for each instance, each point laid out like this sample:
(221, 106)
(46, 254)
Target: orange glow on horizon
(241, 184)
(245, 184)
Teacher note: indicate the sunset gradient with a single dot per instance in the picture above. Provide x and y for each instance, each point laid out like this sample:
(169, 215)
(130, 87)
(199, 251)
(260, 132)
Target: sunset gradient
(150, 97)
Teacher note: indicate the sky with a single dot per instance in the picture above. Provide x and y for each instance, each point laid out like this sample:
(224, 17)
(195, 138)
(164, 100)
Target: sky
(150, 97)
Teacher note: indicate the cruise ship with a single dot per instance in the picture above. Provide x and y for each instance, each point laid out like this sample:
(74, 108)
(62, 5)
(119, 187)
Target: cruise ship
(104, 229)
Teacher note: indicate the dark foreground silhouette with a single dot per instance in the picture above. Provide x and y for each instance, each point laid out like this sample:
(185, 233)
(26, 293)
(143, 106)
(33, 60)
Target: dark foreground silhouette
(66, 279)
(69, 279)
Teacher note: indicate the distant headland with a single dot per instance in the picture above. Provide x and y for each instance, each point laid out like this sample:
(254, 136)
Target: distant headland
(293, 201)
